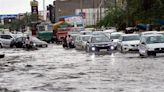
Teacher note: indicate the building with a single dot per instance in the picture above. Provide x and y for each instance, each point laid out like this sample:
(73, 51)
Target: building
(91, 10)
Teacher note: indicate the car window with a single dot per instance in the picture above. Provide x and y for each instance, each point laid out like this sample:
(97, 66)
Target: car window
(155, 39)
(6, 36)
(130, 38)
(100, 39)
(19, 39)
(85, 38)
(115, 36)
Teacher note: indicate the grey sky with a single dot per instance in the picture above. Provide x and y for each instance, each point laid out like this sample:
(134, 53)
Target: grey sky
(19, 6)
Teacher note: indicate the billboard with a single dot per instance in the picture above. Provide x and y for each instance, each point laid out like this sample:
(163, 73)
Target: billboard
(34, 7)
(8, 16)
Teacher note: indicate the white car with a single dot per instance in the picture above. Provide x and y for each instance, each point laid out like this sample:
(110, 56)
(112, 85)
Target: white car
(114, 37)
(81, 41)
(128, 42)
(151, 44)
(5, 40)
(161, 32)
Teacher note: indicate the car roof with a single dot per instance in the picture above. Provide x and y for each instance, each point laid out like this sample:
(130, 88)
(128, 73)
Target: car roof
(85, 35)
(117, 33)
(130, 35)
(152, 35)
(149, 32)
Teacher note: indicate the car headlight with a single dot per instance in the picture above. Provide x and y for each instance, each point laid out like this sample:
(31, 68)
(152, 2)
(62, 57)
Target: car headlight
(93, 48)
(112, 47)
(34, 44)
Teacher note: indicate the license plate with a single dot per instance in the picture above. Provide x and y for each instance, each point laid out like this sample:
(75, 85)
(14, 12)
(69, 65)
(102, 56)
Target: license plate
(103, 49)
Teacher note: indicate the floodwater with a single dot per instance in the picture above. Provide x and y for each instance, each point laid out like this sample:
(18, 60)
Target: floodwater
(55, 69)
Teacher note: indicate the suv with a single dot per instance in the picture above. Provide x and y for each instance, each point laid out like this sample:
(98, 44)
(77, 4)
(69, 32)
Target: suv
(151, 44)
(97, 43)
(5, 40)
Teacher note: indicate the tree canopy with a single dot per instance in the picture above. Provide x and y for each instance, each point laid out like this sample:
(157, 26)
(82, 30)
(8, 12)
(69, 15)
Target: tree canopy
(133, 12)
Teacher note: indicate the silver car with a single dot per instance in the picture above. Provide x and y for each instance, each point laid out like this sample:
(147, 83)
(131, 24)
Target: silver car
(5, 40)
(151, 44)
(81, 41)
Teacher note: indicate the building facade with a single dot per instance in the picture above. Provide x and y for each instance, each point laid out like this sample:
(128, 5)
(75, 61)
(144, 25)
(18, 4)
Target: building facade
(91, 10)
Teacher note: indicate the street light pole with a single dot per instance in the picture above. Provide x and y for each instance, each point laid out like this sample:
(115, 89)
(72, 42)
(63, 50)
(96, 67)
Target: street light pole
(81, 5)
(43, 5)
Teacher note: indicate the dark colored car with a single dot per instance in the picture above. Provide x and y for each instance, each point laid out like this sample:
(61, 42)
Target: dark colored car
(99, 42)
(20, 42)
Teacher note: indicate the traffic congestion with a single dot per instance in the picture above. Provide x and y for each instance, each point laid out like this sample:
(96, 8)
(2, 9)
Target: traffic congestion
(144, 43)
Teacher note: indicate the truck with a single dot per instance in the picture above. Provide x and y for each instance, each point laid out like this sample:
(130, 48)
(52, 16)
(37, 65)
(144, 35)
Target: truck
(67, 24)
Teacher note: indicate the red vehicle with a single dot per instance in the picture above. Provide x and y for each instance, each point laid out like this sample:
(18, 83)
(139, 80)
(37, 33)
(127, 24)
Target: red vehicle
(61, 33)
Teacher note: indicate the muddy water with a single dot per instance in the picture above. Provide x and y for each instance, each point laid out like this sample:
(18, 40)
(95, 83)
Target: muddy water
(55, 69)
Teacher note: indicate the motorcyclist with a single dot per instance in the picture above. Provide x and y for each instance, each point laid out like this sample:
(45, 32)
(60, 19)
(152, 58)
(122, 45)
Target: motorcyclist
(28, 42)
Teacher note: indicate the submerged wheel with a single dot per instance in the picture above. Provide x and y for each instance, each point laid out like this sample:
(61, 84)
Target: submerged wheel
(1, 45)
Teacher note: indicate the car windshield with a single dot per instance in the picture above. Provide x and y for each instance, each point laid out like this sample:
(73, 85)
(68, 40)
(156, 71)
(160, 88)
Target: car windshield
(85, 38)
(130, 38)
(155, 39)
(115, 36)
(100, 39)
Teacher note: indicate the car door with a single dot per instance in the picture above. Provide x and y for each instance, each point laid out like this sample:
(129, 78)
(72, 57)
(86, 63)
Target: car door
(6, 40)
(142, 45)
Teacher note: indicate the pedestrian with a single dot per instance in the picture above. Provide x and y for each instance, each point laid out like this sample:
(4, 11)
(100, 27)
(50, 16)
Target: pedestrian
(69, 40)
(65, 42)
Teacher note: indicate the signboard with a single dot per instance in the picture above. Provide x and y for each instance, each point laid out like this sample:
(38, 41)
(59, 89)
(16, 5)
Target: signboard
(8, 16)
(73, 19)
(34, 7)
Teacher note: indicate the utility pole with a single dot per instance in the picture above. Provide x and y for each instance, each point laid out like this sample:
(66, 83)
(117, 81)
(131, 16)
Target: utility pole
(44, 5)
(93, 12)
(81, 5)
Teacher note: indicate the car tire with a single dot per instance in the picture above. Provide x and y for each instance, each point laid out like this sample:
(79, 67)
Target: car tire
(141, 55)
(1, 45)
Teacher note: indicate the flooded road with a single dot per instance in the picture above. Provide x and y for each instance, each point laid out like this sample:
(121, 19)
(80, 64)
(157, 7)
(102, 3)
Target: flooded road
(55, 69)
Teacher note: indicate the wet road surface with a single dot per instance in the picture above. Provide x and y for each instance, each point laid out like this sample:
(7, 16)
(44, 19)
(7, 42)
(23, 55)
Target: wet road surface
(55, 69)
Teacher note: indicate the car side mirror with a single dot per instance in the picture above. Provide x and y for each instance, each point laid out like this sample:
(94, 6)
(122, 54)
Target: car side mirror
(87, 41)
(143, 43)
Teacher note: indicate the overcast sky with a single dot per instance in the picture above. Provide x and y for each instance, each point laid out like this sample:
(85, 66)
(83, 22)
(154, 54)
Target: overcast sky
(19, 6)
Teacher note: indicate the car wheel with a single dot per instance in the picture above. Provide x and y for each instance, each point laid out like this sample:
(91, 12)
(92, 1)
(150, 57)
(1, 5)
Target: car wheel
(1, 45)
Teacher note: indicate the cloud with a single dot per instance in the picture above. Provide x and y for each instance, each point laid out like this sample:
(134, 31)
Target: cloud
(19, 6)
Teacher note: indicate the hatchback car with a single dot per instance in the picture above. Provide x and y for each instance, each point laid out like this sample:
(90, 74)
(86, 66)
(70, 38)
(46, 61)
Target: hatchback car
(128, 42)
(20, 42)
(5, 40)
(151, 44)
(81, 41)
(98, 43)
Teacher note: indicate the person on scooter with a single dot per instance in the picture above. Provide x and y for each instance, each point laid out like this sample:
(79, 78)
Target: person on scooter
(69, 41)
(28, 42)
